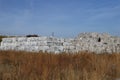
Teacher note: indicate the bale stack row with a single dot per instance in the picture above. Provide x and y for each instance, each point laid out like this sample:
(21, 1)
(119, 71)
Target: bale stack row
(49, 44)
(93, 42)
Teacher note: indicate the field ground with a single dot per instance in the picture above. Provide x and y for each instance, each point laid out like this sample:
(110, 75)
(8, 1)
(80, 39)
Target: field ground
(47, 66)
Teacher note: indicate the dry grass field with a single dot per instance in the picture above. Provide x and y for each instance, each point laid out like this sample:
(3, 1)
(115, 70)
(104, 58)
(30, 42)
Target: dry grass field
(65, 66)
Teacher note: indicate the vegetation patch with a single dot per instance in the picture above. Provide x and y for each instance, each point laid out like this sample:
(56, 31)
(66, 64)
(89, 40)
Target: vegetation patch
(22, 65)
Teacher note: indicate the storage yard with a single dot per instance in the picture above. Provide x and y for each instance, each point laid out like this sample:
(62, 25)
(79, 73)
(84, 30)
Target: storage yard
(96, 57)
(91, 42)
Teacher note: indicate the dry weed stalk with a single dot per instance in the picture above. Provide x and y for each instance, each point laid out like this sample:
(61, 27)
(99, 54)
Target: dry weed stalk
(20, 65)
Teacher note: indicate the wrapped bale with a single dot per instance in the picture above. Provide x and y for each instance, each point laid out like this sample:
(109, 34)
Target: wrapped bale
(43, 48)
(8, 40)
(21, 39)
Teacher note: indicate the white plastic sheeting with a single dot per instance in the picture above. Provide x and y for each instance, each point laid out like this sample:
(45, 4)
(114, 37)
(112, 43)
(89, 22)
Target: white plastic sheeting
(93, 42)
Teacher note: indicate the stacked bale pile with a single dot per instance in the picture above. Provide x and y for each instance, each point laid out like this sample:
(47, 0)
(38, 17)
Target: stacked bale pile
(49, 44)
(99, 43)
(93, 42)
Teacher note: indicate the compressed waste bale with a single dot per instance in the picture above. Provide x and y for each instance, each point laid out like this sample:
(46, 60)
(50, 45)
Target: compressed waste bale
(21, 39)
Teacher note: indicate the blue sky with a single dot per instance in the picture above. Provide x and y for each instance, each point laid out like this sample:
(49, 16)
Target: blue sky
(66, 18)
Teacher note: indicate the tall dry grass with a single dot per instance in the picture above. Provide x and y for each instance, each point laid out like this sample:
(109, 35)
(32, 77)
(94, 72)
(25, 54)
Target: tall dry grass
(47, 66)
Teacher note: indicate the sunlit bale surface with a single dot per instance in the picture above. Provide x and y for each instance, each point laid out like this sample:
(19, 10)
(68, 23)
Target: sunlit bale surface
(91, 42)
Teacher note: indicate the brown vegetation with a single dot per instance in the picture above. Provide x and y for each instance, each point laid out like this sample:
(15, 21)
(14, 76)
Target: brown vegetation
(46, 66)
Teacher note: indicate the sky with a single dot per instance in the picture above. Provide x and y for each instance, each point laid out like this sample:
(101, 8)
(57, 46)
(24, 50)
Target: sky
(66, 18)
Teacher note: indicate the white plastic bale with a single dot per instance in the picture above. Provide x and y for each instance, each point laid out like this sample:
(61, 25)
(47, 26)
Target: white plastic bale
(6, 40)
(33, 43)
(29, 44)
(21, 48)
(39, 39)
(71, 47)
(6, 48)
(21, 39)
(30, 39)
(12, 47)
(26, 43)
(46, 47)
(2, 47)
(19, 44)
(36, 38)
(50, 43)
(31, 48)
(60, 40)
(52, 39)
(27, 48)
(51, 50)
(42, 48)
(56, 52)
(11, 44)
(57, 43)
(35, 48)
(60, 48)
(9, 40)
(66, 44)
(33, 38)
(42, 38)
(2, 44)
(42, 43)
